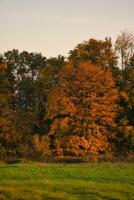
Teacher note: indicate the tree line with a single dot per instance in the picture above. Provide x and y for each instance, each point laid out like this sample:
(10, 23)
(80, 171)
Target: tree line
(75, 106)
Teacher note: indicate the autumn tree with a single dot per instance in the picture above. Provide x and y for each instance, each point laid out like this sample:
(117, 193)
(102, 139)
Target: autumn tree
(82, 109)
(99, 52)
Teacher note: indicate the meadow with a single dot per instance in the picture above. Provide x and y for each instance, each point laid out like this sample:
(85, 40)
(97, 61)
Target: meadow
(82, 181)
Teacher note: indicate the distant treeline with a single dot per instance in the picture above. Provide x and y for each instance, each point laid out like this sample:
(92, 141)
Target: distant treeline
(75, 106)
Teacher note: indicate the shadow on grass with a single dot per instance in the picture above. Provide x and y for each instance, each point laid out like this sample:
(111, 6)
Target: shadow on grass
(12, 161)
(65, 160)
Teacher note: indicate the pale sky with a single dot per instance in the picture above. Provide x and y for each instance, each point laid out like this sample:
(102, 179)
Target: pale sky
(55, 27)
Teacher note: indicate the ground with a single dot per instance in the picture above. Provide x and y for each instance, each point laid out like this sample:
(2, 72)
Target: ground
(42, 181)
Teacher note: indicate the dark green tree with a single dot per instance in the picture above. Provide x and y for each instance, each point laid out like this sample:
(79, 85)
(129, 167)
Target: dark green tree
(8, 134)
(99, 52)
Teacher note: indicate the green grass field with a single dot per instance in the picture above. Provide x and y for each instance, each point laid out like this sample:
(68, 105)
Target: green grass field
(36, 181)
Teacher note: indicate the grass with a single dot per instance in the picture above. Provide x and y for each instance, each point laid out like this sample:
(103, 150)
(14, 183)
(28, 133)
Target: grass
(38, 181)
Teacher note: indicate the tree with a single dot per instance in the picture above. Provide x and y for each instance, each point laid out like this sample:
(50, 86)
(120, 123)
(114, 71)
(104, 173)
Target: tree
(83, 105)
(56, 62)
(124, 45)
(22, 73)
(125, 132)
(99, 52)
(8, 134)
(48, 76)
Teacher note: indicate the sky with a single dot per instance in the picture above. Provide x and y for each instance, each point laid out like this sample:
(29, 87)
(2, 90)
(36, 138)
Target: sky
(55, 27)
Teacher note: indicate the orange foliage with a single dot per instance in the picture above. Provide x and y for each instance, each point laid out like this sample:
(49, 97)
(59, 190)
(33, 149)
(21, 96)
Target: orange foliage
(3, 66)
(124, 96)
(58, 103)
(71, 145)
(41, 144)
(85, 99)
